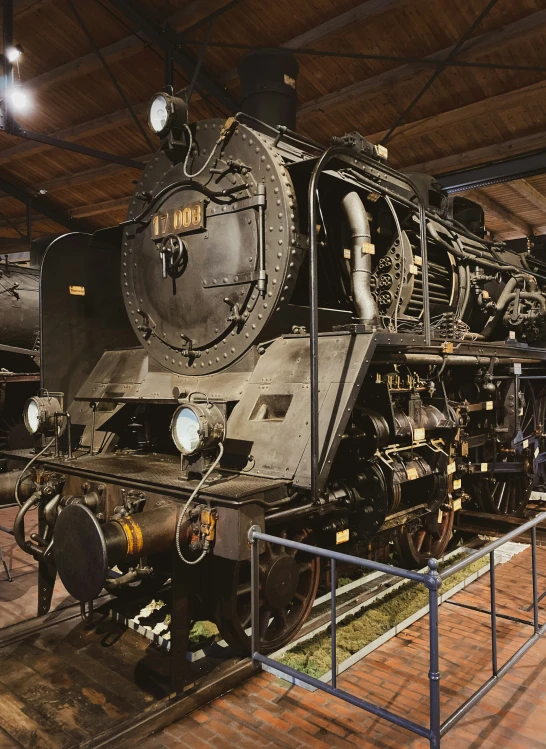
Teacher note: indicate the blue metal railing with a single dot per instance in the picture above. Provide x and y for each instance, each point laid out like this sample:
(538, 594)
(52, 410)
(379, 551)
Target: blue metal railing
(432, 581)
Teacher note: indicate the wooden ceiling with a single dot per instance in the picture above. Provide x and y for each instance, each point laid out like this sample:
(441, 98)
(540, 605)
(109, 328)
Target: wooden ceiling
(486, 104)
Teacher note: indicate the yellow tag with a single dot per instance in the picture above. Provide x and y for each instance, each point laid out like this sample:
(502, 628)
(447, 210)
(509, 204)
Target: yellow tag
(347, 254)
(382, 151)
(451, 468)
(485, 294)
(412, 473)
(521, 411)
(77, 290)
(512, 335)
(290, 81)
(464, 449)
(456, 484)
(457, 504)
(417, 260)
(440, 515)
(484, 467)
(419, 434)
(368, 248)
(413, 269)
(342, 536)
(525, 444)
(489, 406)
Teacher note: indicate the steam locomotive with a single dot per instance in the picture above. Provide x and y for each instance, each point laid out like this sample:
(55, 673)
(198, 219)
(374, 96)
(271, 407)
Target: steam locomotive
(284, 335)
(19, 347)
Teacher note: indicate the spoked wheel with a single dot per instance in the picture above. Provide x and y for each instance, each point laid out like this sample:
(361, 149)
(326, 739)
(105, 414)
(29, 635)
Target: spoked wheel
(417, 547)
(504, 495)
(288, 586)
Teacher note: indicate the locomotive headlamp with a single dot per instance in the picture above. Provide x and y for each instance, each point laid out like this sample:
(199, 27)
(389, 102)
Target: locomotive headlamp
(166, 112)
(196, 427)
(39, 415)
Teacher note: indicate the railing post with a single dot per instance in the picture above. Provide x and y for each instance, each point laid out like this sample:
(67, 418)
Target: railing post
(333, 622)
(494, 663)
(535, 576)
(254, 594)
(433, 583)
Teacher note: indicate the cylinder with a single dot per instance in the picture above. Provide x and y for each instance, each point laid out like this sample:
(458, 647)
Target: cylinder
(268, 86)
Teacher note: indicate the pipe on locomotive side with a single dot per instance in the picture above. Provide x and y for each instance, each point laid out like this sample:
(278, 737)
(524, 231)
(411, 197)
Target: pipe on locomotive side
(8, 482)
(361, 258)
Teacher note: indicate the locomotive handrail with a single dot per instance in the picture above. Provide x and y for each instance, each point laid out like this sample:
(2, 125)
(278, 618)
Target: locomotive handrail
(187, 184)
(331, 153)
(432, 580)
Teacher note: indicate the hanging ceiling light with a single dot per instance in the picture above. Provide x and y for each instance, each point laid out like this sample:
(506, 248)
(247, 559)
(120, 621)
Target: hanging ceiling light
(14, 53)
(18, 98)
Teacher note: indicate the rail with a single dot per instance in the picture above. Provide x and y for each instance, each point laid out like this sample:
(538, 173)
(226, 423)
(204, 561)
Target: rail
(432, 580)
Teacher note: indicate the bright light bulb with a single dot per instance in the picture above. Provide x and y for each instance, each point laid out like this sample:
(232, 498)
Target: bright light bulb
(13, 53)
(19, 100)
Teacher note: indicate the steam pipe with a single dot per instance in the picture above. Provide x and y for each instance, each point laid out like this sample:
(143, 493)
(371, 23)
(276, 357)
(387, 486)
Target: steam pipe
(345, 153)
(361, 260)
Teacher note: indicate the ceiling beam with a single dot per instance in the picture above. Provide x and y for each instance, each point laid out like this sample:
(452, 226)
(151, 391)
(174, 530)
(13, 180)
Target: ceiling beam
(500, 212)
(478, 46)
(42, 205)
(89, 63)
(365, 11)
(530, 193)
(103, 207)
(456, 162)
(501, 102)
(87, 175)
(121, 50)
(76, 215)
(168, 40)
(83, 130)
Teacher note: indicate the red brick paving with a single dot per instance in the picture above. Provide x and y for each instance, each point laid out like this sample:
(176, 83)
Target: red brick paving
(18, 600)
(266, 712)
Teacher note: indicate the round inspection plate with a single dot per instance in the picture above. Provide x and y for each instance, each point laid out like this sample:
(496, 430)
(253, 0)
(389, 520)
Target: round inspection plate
(80, 552)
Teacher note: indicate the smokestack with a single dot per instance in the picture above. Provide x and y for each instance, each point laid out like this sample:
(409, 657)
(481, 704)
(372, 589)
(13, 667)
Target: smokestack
(268, 86)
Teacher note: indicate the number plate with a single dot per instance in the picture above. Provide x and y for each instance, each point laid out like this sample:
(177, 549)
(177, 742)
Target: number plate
(179, 220)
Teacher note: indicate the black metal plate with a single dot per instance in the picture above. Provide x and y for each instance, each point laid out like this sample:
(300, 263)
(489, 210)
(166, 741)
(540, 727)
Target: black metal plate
(80, 552)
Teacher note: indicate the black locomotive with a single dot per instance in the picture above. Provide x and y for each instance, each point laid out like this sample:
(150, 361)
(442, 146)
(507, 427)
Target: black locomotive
(303, 339)
(19, 347)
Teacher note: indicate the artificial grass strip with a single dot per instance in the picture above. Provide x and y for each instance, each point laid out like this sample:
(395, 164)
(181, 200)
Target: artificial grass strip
(313, 657)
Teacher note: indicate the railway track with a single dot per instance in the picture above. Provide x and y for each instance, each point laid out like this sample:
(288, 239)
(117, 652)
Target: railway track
(116, 685)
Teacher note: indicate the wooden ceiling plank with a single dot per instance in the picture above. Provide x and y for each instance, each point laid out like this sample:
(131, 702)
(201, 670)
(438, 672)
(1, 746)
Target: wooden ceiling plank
(500, 212)
(491, 152)
(102, 207)
(479, 46)
(83, 130)
(499, 103)
(530, 193)
(86, 64)
(75, 215)
(86, 176)
(112, 53)
(363, 12)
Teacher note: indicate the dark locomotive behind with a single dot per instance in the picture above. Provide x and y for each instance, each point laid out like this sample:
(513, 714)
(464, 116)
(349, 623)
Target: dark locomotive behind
(303, 339)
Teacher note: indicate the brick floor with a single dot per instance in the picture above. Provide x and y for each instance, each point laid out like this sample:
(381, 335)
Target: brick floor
(18, 600)
(266, 712)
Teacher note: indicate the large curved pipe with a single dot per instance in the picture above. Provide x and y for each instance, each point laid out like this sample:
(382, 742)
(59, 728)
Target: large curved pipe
(361, 259)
